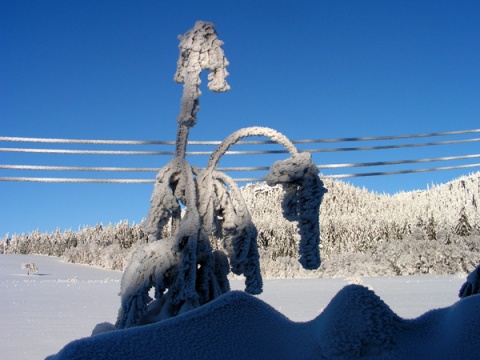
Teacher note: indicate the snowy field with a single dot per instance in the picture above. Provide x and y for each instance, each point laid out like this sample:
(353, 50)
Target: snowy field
(41, 313)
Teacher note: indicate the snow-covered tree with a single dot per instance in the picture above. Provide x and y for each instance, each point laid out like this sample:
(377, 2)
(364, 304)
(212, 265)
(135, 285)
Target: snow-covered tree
(183, 268)
(463, 227)
(430, 228)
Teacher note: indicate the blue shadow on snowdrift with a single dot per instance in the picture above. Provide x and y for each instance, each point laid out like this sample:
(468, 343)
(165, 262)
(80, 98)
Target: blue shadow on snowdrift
(356, 324)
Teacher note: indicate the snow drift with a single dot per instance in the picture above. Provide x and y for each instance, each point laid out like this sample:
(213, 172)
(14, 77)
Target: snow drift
(356, 323)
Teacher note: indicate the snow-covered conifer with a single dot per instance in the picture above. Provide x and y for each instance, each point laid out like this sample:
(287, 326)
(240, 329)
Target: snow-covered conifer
(430, 229)
(463, 227)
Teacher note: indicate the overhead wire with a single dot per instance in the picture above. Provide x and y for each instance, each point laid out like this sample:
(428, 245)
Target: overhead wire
(24, 167)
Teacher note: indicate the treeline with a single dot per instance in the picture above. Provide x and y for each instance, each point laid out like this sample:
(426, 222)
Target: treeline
(357, 220)
(435, 231)
(363, 233)
(106, 246)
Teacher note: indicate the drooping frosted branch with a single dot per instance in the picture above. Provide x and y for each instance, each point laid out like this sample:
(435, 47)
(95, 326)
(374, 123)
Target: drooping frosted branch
(239, 233)
(246, 132)
(299, 177)
(304, 192)
(174, 184)
(200, 49)
(163, 200)
(150, 266)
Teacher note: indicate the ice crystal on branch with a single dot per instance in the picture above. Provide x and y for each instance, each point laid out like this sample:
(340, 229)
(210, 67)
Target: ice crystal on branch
(182, 267)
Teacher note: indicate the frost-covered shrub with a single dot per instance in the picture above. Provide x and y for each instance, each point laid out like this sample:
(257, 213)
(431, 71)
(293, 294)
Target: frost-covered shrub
(334, 266)
(183, 267)
(429, 257)
(355, 264)
(109, 246)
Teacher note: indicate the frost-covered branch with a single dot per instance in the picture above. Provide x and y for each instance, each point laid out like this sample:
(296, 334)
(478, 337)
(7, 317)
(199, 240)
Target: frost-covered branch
(200, 49)
(231, 140)
(238, 232)
(304, 192)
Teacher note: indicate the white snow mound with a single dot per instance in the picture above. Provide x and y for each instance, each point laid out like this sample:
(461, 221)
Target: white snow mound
(356, 324)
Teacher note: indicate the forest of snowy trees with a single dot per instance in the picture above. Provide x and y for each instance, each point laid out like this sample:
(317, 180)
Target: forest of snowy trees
(436, 231)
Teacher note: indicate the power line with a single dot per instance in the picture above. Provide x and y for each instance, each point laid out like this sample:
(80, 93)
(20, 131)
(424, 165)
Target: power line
(399, 172)
(78, 180)
(240, 180)
(232, 169)
(154, 142)
(27, 167)
(253, 152)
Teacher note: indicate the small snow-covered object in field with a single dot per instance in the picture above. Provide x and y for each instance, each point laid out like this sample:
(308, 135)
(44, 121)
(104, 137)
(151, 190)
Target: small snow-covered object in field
(30, 267)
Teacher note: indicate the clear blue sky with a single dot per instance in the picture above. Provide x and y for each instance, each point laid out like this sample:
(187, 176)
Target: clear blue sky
(310, 69)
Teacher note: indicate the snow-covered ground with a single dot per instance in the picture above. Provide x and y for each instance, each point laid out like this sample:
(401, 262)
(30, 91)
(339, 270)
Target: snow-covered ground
(43, 312)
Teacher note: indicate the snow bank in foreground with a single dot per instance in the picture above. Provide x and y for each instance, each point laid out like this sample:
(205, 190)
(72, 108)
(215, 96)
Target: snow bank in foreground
(239, 326)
